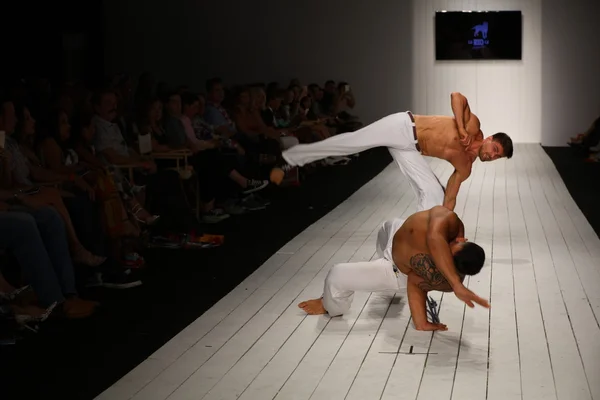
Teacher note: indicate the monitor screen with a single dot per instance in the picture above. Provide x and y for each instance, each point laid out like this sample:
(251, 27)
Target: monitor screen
(484, 35)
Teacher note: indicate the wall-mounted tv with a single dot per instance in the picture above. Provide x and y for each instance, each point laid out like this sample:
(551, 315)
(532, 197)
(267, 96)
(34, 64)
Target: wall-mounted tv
(483, 35)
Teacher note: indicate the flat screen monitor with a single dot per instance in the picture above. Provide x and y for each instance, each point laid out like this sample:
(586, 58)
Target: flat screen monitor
(482, 35)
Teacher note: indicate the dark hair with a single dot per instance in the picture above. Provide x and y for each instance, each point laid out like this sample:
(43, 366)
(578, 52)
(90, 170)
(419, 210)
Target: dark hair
(470, 259)
(99, 94)
(188, 98)
(506, 143)
(80, 121)
(330, 82)
(211, 83)
(276, 94)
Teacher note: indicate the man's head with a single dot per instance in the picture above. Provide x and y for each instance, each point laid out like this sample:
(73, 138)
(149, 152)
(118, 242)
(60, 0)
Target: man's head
(329, 87)
(105, 104)
(215, 92)
(468, 257)
(191, 104)
(315, 92)
(496, 146)
(275, 98)
(173, 104)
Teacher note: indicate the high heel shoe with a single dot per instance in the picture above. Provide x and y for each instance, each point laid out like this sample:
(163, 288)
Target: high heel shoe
(12, 295)
(137, 209)
(32, 323)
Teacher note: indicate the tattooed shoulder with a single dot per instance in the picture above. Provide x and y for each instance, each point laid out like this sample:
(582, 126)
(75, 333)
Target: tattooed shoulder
(423, 265)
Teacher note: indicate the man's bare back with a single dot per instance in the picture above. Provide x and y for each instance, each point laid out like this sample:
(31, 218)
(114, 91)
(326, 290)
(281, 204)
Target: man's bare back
(411, 252)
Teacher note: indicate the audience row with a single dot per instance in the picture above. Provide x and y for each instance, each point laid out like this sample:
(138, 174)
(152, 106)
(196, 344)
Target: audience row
(84, 176)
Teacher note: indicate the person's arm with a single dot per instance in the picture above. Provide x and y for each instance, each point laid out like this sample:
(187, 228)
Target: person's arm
(88, 157)
(115, 158)
(40, 174)
(52, 154)
(416, 290)
(467, 123)
(454, 182)
(224, 131)
(438, 233)
(6, 180)
(443, 226)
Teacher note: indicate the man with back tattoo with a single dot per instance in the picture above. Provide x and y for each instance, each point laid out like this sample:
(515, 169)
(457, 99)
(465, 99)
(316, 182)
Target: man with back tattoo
(457, 139)
(427, 251)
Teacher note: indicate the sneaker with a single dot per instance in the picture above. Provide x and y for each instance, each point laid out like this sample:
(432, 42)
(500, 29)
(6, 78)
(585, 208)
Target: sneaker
(214, 216)
(233, 207)
(124, 279)
(250, 203)
(260, 199)
(278, 173)
(255, 185)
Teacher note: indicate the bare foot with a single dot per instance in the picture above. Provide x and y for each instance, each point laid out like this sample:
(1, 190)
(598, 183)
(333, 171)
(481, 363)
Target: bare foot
(313, 307)
(428, 326)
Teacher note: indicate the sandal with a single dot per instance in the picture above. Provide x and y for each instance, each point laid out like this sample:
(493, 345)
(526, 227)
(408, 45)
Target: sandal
(137, 209)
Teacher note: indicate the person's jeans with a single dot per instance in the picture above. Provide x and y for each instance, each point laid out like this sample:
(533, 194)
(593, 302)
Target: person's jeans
(38, 241)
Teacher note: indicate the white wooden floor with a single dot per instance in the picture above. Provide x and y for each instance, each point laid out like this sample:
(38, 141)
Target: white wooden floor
(539, 340)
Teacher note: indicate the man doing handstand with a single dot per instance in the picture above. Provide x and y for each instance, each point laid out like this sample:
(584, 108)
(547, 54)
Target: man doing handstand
(426, 252)
(409, 137)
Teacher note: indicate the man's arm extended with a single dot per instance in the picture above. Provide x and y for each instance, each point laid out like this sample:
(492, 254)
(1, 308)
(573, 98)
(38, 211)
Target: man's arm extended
(452, 188)
(441, 225)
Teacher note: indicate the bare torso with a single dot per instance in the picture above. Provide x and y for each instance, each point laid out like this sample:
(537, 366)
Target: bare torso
(438, 137)
(410, 242)
(410, 239)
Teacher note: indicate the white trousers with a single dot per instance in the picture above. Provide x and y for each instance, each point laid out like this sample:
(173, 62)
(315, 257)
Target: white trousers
(394, 132)
(381, 274)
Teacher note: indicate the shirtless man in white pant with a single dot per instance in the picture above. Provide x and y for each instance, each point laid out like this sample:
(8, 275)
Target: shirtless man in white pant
(409, 137)
(426, 252)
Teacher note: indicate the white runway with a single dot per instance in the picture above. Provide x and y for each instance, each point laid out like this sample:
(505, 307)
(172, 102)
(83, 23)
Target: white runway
(540, 339)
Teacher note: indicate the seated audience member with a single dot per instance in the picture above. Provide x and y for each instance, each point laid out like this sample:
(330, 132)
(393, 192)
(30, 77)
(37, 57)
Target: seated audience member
(163, 187)
(589, 141)
(205, 131)
(329, 97)
(274, 117)
(149, 122)
(18, 172)
(208, 156)
(173, 126)
(290, 108)
(108, 140)
(343, 101)
(248, 122)
(37, 240)
(215, 114)
(59, 155)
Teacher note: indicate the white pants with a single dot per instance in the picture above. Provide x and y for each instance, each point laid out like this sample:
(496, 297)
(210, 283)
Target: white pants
(394, 132)
(381, 274)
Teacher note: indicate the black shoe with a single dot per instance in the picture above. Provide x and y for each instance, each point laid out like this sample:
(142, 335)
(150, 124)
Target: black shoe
(120, 279)
(255, 185)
